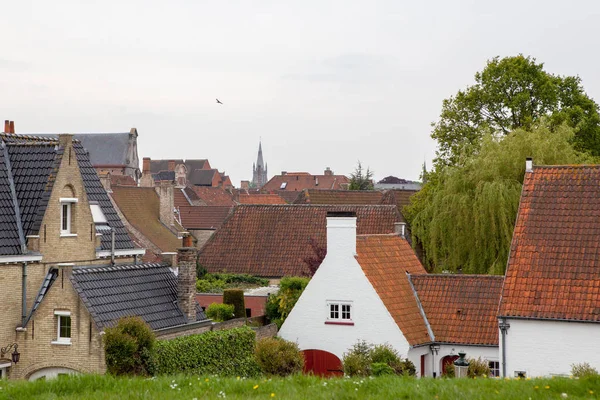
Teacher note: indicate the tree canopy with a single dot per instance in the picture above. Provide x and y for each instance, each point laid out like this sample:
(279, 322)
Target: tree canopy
(360, 180)
(464, 216)
(514, 93)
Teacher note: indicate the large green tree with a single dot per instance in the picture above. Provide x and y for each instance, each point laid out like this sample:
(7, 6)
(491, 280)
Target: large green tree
(514, 93)
(465, 214)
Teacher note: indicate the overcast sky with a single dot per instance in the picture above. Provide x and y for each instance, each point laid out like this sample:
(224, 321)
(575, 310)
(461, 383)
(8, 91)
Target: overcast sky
(324, 83)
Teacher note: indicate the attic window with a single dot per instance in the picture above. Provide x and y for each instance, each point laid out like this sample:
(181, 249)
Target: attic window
(339, 313)
(283, 185)
(97, 214)
(66, 215)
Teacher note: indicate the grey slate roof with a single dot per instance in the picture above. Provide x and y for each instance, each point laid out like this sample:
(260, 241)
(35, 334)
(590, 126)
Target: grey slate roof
(145, 290)
(164, 176)
(202, 177)
(106, 148)
(30, 163)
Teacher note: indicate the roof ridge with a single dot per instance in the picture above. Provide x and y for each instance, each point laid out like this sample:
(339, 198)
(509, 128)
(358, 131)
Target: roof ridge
(84, 269)
(568, 166)
(459, 275)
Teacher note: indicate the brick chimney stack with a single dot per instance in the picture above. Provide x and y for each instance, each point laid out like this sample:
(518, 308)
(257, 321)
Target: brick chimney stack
(11, 127)
(328, 171)
(6, 126)
(186, 278)
(167, 203)
(146, 165)
(171, 165)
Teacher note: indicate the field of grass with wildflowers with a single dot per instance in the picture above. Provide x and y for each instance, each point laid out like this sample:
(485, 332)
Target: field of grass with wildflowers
(92, 387)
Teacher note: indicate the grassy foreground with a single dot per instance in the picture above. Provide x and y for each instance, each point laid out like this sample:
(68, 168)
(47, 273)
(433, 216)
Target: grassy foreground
(297, 387)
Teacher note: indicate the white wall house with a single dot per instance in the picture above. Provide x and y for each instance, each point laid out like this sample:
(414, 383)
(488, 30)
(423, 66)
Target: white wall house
(549, 314)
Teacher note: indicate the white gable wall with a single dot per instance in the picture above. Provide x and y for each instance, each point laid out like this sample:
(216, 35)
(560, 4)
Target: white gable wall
(340, 277)
(542, 348)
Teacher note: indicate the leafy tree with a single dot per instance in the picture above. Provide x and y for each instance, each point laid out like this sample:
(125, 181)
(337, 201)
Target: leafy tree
(280, 305)
(360, 181)
(514, 93)
(314, 261)
(464, 216)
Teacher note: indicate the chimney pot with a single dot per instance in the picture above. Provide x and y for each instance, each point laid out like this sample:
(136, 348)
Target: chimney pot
(283, 172)
(328, 171)
(6, 126)
(187, 240)
(12, 127)
(529, 164)
(146, 165)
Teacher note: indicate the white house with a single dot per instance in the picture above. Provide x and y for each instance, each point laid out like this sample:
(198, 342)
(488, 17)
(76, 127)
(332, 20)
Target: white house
(549, 315)
(367, 288)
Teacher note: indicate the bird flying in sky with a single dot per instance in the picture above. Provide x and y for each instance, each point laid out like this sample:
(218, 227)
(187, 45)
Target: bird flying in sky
(219, 101)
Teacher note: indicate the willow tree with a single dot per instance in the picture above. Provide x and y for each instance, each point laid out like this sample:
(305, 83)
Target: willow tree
(465, 215)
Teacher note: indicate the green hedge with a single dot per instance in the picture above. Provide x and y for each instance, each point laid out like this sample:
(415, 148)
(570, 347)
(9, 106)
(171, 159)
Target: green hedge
(235, 297)
(220, 312)
(226, 353)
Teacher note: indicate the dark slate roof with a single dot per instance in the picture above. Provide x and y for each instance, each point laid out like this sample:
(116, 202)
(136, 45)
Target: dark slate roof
(106, 148)
(202, 177)
(145, 290)
(164, 176)
(10, 241)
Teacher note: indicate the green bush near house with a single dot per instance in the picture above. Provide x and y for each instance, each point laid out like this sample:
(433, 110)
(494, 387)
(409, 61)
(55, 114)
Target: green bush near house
(584, 370)
(279, 306)
(217, 282)
(279, 357)
(220, 312)
(478, 368)
(365, 359)
(128, 347)
(224, 353)
(235, 297)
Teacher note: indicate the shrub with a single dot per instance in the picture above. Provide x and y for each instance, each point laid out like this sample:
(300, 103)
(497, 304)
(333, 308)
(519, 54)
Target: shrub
(217, 282)
(583, 370)
(408, 368)
(357, 361)
(380, 368)
(235, 297)
(279, 357)
(279, 306)
(219, 312)
(227, 353)
(386, 354)
(449, 371)
(478, 368)
(210, 286)
(128, 347)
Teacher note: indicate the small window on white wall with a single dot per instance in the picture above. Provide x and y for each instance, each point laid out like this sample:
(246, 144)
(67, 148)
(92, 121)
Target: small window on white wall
(339, 312)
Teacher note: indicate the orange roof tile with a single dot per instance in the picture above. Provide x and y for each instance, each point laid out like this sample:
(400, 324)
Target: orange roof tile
(261, 199)
(122, 180)
(553, 268)
(297, 181)
(460, 308)
(385, 260)
(273, 240)
(214, 196)
(321, 196)
(203, 217)
(141, 206)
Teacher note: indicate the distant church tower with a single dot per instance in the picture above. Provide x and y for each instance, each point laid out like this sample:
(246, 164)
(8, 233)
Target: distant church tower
(259, 170)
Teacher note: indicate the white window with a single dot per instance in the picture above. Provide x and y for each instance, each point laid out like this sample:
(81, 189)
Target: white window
(66, 215)
(63, 331)
(494, 368)
(339, 311)
(283, 185)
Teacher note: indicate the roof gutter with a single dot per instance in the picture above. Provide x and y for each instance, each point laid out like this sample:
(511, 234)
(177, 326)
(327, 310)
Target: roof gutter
(581, 321)
(120, 253)
(20, 258)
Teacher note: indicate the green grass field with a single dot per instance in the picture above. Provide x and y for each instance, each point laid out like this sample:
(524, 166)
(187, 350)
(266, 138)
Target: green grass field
(298, 387)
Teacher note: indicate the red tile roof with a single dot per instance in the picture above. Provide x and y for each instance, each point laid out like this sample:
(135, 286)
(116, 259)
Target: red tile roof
(385, 260)
(297, 181)
(289, 197)
(320, 196)
(273, 240)
(179, 198)
(554, 265)
(461, 308)
(214, 196)
(261, 199)
(122, 180)
(203, 217)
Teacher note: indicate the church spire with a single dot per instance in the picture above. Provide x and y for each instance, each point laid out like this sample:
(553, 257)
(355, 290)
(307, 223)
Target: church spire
(259, 160)
(259, 170)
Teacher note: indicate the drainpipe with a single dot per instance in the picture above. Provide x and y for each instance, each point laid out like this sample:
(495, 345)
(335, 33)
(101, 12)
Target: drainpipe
(503, 325)
(112, 247)
(24, 293)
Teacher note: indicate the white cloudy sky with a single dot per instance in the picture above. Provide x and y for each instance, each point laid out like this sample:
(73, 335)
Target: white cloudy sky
(324, 83)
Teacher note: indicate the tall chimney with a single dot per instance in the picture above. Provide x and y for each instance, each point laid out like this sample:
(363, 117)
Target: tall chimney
(167, 203)
(529, 164)
(186, 279)
(400, 229)
(146, 165)
(6, 126)
(341, 233)
(171, 165)
(328, 171)
(12, 126)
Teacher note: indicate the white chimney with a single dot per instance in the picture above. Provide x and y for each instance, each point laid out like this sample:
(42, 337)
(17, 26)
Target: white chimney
(529, 164)
(341, 233)
(400, 229)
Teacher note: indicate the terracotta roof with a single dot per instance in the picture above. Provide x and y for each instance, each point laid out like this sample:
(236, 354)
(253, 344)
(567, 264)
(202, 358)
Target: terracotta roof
(350, 197)
(214, 196)
(141, 207)
(297, 181)
(273, 240)
(289, 197)
(203, 217)
(261, 199)
(179, 198)
(122, 180)
(385, 260)
(554, 265)
(461, 308)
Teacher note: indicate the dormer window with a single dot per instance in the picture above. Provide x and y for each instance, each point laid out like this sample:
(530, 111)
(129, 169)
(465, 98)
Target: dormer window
(339, 313)
(66, 215)
(283, 185)
(97, 214)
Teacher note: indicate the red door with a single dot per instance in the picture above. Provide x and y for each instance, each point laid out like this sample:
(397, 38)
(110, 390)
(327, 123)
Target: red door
(322, 363)
(447, 361)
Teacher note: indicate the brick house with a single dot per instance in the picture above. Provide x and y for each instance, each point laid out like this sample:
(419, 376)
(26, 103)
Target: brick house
(58, 223)
(186, 173)
(549, 315)
(298, 181)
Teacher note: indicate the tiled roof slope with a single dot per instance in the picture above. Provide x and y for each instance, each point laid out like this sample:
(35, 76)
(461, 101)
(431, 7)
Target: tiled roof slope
(297, 181)
(203, 217)
(203, 177)
(214, 196)
(122, 180)
(141, 207)
(10, 240)
(273, 240)
(163, 165)
(106, 148)
(145, 290)
(261, 199)
(554, 263)
(289, 197)
(461, 308)
(385, 260)
(349, 197)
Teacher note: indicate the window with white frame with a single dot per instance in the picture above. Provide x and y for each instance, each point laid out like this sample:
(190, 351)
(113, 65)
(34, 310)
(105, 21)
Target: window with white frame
(339, 311)
(63, 324)
(66, 215)
(494, 368)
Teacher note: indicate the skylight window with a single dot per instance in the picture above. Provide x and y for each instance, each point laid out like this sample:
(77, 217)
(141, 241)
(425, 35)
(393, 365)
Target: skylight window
(97, 214)
(283, 185)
